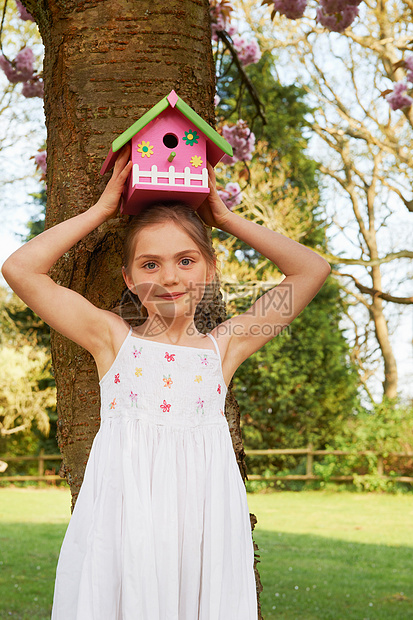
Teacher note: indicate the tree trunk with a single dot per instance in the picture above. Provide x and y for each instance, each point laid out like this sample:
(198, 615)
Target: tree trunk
(106, 63)
(382, 334)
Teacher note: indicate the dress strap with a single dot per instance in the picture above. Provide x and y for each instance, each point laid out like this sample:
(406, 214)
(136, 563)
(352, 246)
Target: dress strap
(215, 345)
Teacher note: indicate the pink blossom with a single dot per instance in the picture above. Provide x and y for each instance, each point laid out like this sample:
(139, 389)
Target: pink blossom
(231, 195)
(24, 13)
(339, 21)
(242, 141)
(40, 160)
(220, 21)
(217, 24)
(398, 99)
(231, 30)
(293, 9)
(330, 7)
(408, 63)
(248, 51)
(33, 88)
(217, 99)
(21, 68)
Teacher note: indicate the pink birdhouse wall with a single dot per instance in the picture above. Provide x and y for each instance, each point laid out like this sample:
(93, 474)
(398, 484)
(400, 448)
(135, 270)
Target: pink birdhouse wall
(170, 147)
(169, 155)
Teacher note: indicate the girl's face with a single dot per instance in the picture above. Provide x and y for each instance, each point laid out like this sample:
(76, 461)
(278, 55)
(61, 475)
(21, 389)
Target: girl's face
(168, 271)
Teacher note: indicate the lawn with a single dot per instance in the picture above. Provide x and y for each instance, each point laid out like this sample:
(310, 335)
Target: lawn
(324, 555)
(335, 556)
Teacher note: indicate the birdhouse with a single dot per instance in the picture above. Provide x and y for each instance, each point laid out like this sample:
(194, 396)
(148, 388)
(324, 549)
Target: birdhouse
(170, 147)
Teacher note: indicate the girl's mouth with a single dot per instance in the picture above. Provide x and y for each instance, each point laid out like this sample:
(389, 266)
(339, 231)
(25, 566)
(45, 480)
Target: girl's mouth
(171, 295)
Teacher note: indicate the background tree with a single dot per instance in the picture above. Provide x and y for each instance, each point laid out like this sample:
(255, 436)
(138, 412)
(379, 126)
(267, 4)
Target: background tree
(302, 386)
(27, 375)
(364, 154)
(21, 117)
(26, 387)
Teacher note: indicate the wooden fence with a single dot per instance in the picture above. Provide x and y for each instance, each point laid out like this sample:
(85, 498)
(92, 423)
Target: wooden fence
(309, 475)
(41, 472)
(310, 461)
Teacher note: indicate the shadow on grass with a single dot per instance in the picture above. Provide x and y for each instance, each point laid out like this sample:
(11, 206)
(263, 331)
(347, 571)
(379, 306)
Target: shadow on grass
(28, 559)
(308, 577)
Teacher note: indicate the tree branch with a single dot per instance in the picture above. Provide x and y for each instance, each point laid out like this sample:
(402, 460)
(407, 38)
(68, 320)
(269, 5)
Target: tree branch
(373, 292)
(221, 34)
(367, 263)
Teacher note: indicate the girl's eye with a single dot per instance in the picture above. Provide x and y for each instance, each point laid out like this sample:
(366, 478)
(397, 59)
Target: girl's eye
(150, 268)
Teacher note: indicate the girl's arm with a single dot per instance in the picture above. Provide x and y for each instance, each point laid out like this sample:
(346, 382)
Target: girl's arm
(63, 309)
(305, 273)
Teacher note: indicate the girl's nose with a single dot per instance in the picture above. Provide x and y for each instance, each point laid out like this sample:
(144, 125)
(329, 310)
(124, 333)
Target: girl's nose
(169, 276)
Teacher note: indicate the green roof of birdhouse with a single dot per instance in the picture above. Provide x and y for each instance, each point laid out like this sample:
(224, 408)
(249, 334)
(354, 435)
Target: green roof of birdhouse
(175, 102)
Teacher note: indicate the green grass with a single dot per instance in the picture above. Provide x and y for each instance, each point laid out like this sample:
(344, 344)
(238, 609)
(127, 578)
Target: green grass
(32, 526)
(335, 555)
(323, 555)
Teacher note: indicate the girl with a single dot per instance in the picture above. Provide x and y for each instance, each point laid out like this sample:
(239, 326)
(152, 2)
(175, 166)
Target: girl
(161, 528)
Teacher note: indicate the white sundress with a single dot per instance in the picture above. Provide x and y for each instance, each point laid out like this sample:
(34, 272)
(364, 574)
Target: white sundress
(161, 527)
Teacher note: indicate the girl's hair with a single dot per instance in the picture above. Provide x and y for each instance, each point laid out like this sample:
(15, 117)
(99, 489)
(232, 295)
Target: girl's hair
(184, 216)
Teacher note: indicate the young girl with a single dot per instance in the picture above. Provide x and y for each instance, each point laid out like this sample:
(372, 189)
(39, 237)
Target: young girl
(161, 528)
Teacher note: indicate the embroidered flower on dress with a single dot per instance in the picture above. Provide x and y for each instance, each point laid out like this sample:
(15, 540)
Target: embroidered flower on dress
(112, 405)
(198, 378)
(117, 379)
(167, 381)
(219, 389)
(136, 353)
(170, 357)
(200, 405)
(138, 372)
(134, 398)
(166, 407)
(204, 359)
(220, 411)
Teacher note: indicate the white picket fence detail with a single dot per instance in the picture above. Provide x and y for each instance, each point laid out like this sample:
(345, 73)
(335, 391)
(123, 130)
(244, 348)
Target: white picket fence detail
(140, 177)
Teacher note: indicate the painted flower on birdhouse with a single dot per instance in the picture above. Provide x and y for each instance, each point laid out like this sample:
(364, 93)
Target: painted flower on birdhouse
(190, 138)
(196, 161)
(145, 149)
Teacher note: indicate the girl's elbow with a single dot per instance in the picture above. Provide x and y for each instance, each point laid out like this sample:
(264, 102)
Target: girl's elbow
(327, 268)
(10, 271)
(323, 271)
(6, 270)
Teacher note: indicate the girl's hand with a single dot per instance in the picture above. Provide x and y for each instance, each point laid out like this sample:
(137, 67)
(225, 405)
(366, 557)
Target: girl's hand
(213, 211)
(109, 200)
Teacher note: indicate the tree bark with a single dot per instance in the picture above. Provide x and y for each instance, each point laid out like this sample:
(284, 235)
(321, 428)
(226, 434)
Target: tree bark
(106, 63)
(382, 334)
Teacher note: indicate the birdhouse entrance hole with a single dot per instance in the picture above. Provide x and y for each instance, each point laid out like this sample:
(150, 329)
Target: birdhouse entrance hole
(170, 140)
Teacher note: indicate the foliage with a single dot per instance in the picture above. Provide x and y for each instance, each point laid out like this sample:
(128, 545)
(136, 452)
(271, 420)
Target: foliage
(286, 132)
(24, 399)
(300, 387)
(365, 159)
(25, 351)
(387, 428)
(27, 386)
